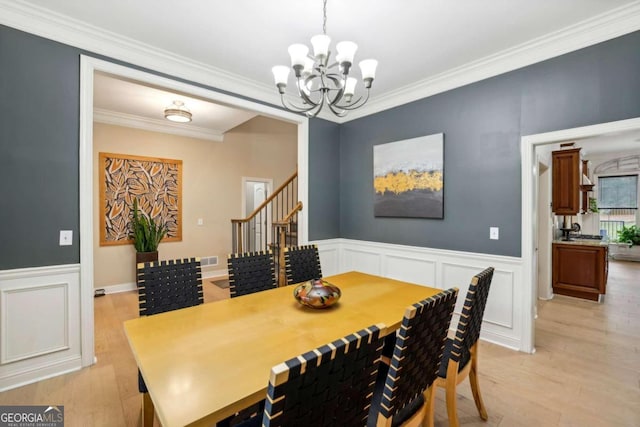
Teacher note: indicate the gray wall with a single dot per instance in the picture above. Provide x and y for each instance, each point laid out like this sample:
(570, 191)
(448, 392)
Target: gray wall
(482, 125)
(39, 119)
(39, 159)
(324, 177)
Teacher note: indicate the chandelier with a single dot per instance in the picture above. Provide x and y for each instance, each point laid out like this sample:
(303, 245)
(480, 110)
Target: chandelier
(320, 82)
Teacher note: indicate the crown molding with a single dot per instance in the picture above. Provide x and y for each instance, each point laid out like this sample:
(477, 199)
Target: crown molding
(609, 25)
(61, 28)
(132, 121)
(42, 22)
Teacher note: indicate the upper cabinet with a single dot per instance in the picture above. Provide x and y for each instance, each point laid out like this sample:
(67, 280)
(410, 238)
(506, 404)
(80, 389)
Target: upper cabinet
(566, 181)
(586, 187)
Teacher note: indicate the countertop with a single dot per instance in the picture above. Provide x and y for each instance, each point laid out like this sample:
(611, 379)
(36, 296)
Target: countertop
(582, 242)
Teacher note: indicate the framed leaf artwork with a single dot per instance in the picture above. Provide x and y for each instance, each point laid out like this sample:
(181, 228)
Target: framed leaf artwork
(155, 182)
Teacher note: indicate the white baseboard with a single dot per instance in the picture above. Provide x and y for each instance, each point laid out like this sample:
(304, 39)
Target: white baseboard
(122, 287)
(127, 287)
(40, 373)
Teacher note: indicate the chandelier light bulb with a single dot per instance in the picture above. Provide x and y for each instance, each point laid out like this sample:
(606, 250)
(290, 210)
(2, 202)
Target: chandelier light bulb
(350, 86)
(346, 51)
(298, 53)
(320, 45)
(281, 76)
(308, 67)
(368, 70)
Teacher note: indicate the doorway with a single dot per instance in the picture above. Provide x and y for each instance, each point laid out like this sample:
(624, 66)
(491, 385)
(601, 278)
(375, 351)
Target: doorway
(530, 220)
(255, 191)
(544, 237)
(89, 66)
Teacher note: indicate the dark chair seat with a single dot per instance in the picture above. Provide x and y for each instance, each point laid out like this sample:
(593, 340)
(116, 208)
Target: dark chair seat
(446, 356)
(403, 414)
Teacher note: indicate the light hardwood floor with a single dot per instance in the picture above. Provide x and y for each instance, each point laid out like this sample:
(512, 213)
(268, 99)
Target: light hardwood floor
(586, 371)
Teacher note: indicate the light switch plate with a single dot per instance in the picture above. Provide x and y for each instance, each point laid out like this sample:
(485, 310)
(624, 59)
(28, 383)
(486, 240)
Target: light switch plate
(494, 233)
(66, 237)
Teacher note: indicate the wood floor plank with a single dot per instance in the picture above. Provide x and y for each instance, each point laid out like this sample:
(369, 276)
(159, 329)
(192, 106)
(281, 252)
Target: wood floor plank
(585, 372)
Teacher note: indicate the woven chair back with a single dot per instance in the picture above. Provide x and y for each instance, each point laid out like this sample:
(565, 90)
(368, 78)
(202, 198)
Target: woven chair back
(470, 321)
(169, 285)
(329, 386)
(418, 351)
(251, 272)
(302, 263)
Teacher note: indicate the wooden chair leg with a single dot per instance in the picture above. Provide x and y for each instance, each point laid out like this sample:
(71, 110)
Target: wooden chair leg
(475, 387)
(450, 391)
(148, 411)
(429, 400)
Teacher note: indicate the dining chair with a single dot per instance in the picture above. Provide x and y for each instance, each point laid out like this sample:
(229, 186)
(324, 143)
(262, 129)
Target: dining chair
(165, 286)
(460, 358)
(251, 272)
(302, 263)
(404, 388)
(329, 386)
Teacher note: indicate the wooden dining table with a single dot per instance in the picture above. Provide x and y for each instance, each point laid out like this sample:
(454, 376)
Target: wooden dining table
(204, 363)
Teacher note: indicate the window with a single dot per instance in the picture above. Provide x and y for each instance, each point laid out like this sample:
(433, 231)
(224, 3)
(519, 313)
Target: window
(617, 202)
(618, 192)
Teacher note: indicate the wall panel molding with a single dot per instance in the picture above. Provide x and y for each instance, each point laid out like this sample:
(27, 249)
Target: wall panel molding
(27, 311)
(39, 323)
(440, 269)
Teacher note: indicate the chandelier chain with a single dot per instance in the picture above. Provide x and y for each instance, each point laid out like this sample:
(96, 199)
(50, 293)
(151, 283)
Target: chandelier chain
(324, 20)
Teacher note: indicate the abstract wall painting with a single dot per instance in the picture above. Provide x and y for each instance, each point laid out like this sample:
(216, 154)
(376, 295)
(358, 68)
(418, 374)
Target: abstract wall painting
(155, 182)
(408, 178)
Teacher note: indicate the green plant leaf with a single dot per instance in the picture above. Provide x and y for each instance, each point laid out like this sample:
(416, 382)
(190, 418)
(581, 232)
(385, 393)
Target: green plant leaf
(145, 232)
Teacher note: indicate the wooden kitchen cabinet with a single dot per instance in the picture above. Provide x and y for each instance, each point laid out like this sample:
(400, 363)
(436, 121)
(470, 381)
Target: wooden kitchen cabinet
(566, 182)
(580, 270)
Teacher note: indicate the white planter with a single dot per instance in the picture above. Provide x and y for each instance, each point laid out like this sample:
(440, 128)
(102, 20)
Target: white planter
(624, 251)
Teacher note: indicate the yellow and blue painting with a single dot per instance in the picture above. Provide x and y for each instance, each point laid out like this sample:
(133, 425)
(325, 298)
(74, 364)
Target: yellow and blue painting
(408, 178)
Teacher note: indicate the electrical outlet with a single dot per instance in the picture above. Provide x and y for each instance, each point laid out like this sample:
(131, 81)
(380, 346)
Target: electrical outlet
(494, 233)
(200, 221)
(66, 237)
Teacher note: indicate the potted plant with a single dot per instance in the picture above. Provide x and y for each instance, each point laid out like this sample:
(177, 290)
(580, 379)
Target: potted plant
(628, 245)
(629, 235)
(146, 234)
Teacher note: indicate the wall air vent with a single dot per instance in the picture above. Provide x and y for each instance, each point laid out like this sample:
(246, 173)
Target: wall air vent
(209, 260)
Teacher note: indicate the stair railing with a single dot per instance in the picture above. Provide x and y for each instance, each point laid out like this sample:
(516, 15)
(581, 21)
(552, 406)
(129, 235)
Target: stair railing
(254, 233)
(286, 232)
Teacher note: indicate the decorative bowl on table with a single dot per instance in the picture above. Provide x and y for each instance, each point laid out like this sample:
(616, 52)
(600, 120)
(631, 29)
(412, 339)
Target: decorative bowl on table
(317, 293)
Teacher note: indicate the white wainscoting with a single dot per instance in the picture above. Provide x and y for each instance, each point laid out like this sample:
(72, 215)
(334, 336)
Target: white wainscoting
(39, 323)
(440, 269)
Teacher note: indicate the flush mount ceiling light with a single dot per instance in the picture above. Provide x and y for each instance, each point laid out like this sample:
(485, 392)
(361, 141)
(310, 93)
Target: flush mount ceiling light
(177, 112)
(317, 83)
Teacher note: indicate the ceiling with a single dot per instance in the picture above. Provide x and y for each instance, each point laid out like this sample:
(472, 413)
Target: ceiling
(413, 40)
(129, 103)
(616, 142)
